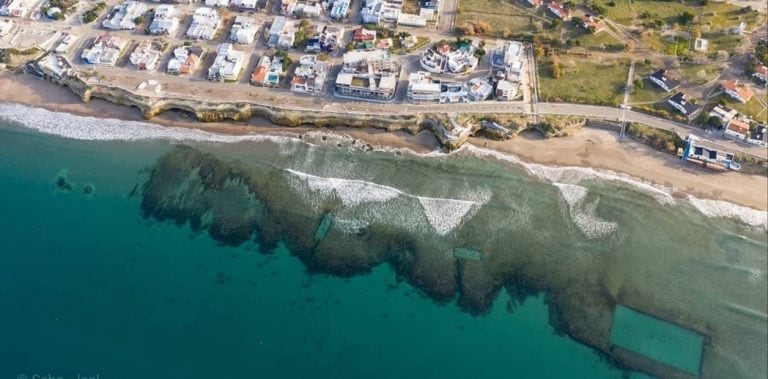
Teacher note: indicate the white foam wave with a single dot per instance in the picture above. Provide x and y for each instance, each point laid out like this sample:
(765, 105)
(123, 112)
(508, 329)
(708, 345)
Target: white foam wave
(583, 214)
(109, 129)
(574, 175)
(351, 192)
(663, 195)
(724, 209)
(443, 215)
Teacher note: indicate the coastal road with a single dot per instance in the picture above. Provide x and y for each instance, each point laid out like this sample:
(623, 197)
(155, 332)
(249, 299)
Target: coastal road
(656, 122)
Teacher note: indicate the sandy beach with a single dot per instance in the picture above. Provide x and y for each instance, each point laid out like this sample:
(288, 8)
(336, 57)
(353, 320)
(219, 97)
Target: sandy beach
(589, 148)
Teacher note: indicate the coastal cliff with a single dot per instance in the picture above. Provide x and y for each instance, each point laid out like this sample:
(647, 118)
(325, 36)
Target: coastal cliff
(451, 131)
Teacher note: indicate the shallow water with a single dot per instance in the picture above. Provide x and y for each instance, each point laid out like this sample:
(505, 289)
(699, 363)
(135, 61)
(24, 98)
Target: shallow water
(92, 286)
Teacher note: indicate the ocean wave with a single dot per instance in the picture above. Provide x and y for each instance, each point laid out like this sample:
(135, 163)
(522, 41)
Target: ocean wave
(724, 209)
(110, 129)
(583, 213)
(442, 214)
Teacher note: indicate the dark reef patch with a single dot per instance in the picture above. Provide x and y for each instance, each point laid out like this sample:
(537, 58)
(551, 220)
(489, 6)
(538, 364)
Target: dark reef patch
(236, 203)
(62, 183)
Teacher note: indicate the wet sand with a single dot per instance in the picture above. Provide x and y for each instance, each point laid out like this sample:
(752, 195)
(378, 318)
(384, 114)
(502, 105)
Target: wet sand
(590, 148)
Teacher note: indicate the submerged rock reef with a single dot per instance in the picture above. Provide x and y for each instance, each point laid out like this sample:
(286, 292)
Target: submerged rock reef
(513, 234)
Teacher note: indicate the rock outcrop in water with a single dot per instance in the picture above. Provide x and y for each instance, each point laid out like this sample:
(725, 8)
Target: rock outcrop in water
(471, 261)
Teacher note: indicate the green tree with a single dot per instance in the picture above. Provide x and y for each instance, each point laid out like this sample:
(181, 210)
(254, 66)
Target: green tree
(555, 68)
(139, 20)
(686, 17)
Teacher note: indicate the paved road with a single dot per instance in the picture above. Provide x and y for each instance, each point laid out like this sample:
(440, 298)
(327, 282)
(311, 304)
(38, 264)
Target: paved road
(656, 122)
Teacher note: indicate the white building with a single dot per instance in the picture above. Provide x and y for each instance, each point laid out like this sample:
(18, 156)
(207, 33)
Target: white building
(104, 51)
(445, 60)
(145, 56)
(405, 19)
(509, 60)
(479, 89)
(368, 75)
(506, 90)
(15, 8)
(185, 61)
(205, 23)
(121, 17)
(282, 33)
(228, 65)
(243, 30)
(268, 72)
(166, 20)
(423, 88)
(339, 9)
(309, 76)
(217, 3)
(245, 4)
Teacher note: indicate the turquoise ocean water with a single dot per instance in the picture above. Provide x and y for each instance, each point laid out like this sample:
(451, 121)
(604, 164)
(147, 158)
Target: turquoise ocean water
(89, 286)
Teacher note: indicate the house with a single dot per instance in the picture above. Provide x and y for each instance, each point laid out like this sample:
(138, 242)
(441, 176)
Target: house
(368, 75)
(558, 10)
(429, 4)
(736, 91)
(533, 3)
(123, 15)
(310, 76)
(228, 65)
(243, 30)
(362, 35)
(217, 3)
(146, 55)
(445, 59)
(339, 9)
(15, 8)
(166, 20)
(423, 88)
(205, 23)
(737, 129)
(327, 41)
(759, 136)
(245, 5)
(376, 11)
(684, 106)
(508, 60)
(725, 114)
(185, 61)
(593, 23)
(282, 33)
(507, 90)
(268, 72)
(301, 8)
(479, 89)
(660, 79)
(104, 50)
(761, 73)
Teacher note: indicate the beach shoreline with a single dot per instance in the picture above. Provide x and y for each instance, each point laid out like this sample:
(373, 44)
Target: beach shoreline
(589, 148)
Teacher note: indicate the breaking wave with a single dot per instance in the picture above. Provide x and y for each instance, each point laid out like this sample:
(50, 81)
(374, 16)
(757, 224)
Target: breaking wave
(583, 213)
(89, 128)
(443, 215)
(109, 129)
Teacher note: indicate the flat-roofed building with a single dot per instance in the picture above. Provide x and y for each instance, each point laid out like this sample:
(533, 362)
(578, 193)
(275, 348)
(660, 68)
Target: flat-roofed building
(244, 30)
(146, 56)
(165, 21)
(104, 51)
(228, 65)
(185, 61)
(205, 24)
(123, 15)
(310, 76)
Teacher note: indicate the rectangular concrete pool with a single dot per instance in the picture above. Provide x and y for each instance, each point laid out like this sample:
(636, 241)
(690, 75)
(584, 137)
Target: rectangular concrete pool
(656, 339)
